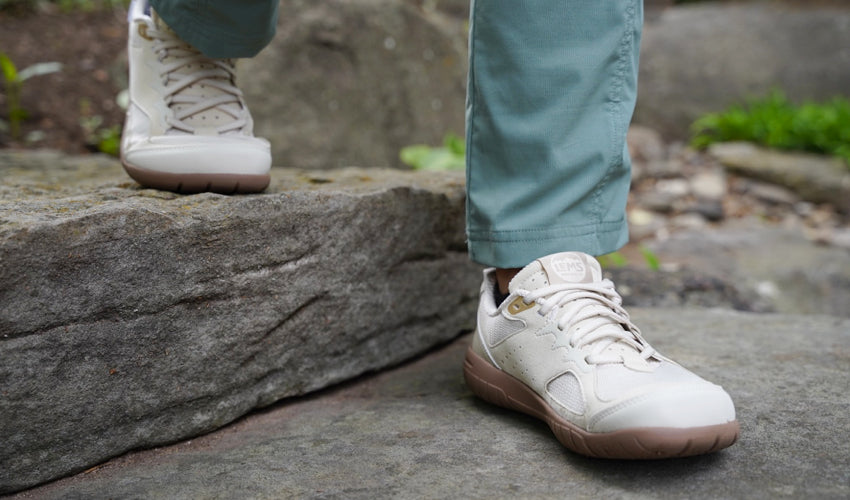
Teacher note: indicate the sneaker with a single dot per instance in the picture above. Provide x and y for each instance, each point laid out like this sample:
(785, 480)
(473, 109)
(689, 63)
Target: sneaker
(562, 349)
(187, 127)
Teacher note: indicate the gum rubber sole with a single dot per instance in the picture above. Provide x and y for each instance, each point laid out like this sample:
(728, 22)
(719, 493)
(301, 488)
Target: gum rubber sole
(198, 183)
(497, 387)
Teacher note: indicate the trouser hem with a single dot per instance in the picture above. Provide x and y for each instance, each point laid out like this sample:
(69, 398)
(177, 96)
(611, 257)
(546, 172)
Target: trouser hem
(221, 29)
(513, 249)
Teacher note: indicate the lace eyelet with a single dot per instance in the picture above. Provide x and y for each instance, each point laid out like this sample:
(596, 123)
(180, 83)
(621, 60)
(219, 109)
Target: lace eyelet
(143, 32)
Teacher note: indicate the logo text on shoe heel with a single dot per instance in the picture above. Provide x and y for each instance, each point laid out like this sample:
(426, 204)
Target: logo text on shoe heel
(569, 268)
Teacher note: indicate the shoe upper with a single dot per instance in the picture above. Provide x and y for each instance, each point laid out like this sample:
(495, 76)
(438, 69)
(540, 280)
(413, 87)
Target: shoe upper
(564, 333)
(185, 114)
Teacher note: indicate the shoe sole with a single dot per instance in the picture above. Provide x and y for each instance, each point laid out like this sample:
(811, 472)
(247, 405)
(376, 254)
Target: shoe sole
(198, 183)
(497, 387)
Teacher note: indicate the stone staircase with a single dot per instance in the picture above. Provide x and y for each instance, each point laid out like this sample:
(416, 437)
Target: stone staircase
(132, 318)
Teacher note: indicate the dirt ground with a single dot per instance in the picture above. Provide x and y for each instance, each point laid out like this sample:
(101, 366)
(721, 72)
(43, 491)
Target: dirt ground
(91, 47)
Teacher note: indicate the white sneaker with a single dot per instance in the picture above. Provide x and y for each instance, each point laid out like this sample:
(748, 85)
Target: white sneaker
(187, 127)
(562, 349)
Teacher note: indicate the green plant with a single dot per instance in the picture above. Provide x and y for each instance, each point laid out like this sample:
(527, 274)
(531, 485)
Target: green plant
(613, 259)
(14, 83)
(617, 259)
(651, 259)
(450, 156)
(775, 122)
(106, 140)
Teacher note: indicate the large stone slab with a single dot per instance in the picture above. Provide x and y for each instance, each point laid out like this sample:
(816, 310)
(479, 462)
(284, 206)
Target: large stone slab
(816, 178)
(418, 432)
(132, 318)
(703, 57)
(351, 82)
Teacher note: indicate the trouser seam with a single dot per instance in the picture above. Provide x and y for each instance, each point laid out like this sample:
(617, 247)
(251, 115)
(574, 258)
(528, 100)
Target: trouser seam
(614, 106)
(470, 120)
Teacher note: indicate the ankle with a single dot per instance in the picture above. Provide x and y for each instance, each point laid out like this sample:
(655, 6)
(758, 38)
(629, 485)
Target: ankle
(504, 277)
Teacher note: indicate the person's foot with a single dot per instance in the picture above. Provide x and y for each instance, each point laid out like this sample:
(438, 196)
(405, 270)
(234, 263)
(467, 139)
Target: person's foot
(187, 127)
(562, 349)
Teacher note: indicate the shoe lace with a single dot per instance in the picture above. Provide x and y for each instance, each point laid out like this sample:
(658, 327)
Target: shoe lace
(594, 315)
(196, 84)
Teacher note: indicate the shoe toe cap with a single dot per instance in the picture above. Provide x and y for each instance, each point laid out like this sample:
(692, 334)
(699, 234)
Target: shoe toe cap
(201, 155)
(687, 406)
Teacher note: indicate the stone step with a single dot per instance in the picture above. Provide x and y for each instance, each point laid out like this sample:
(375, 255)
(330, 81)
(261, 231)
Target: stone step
(132, 318)
(418, 432)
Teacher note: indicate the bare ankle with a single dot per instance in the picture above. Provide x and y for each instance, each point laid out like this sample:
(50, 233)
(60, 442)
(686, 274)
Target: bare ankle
(504, 277)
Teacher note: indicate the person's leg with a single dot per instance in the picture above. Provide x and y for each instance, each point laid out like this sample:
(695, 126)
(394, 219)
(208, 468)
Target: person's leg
(188, 128)
(552, 87)
(551, 91)
(222, 28)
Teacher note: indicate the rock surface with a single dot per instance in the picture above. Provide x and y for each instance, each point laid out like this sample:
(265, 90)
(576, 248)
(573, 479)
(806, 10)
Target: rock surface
(683, 288)
(418, 432)
(352, 82)
(771, 268)
(703, 57)
(132, 318)
(814, 178)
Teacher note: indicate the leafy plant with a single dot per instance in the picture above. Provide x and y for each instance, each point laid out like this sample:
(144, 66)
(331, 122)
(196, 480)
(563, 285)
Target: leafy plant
(450, 156)
(651, 259)
(613, 259)
(775, 122)
(14, 83)
(106, 140)
(617, 259)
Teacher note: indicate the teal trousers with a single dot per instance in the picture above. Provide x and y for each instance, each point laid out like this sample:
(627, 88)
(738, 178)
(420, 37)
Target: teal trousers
(552, 87)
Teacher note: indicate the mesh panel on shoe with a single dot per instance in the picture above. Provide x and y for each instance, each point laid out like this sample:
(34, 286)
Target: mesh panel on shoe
(501, 328)
(566, 390)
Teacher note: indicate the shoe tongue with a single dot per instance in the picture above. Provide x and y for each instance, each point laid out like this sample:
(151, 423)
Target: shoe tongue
(205, 122)
(577, 267)
(556, 269)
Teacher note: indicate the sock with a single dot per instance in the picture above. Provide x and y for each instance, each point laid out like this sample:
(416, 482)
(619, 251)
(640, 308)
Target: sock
(498, 296)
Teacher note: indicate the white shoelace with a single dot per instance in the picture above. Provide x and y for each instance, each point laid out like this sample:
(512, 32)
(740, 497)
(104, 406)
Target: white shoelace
(195, 84)
(594, 314)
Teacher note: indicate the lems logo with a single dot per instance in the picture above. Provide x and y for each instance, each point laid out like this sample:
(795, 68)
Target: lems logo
(569, 268)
